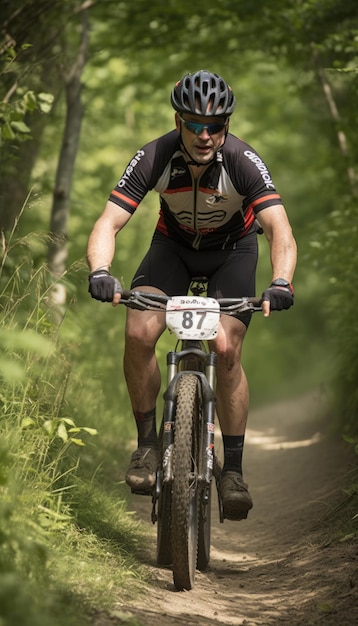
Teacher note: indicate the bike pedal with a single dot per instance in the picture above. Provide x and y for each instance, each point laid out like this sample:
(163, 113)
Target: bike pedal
(236, 517)
(137, 492)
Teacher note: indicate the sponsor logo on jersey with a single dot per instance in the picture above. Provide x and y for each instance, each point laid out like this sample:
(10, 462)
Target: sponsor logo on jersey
(130, 168)
(177, 171)
(216, 198)
(205, 222)
(252, 156)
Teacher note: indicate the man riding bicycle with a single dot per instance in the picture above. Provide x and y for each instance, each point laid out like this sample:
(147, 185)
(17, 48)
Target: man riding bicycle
(214, 190)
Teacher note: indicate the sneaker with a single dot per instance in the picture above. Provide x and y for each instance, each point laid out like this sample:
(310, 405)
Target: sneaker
(142, 471)
(235, 497)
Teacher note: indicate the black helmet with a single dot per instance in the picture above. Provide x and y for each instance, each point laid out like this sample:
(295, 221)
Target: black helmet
(203, 93)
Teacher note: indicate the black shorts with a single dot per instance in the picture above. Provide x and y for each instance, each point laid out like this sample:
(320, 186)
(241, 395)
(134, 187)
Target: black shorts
(170, 267)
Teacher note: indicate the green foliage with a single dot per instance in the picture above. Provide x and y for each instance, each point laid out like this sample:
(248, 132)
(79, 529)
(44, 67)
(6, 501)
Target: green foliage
(18, 102)
(337, 249)
(49, 512)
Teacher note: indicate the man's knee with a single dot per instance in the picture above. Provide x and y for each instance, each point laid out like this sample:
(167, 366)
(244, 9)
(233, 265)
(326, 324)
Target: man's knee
(138, 338)
(229, 344)
(141, 333)
(228, 347)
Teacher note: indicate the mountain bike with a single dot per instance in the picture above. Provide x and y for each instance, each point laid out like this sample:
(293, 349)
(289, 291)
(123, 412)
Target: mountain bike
(181, 499)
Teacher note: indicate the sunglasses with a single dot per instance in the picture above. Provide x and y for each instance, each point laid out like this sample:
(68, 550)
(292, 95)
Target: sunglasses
(197, 128)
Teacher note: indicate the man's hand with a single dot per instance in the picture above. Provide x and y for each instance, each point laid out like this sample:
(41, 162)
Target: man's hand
(279, 296)
(104, 287)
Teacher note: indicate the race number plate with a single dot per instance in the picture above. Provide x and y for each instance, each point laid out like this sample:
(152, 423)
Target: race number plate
(193, 317)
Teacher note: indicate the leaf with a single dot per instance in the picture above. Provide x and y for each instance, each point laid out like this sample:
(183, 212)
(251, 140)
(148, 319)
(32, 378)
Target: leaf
(7, 132)
(45, 101)
(20, 127)
(50, 426)
(68, 420)
(27, 422)
(46, 97)
(11, 54)
(86, 429)
(62, 432)
(30, 101)
(77, 442)
(90, 431)
(348, 439)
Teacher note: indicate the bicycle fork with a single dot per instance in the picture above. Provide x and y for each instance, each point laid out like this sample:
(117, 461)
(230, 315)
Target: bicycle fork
(206, 381)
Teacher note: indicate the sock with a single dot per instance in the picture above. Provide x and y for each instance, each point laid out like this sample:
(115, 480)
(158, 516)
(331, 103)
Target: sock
(233, 449)
(147, 428)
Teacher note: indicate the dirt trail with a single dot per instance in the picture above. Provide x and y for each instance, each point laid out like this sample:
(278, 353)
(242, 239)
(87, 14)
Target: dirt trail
(277, 567)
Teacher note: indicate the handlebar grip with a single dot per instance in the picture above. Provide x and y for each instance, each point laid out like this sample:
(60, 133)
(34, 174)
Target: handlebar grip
(256, 301)
(125, 293)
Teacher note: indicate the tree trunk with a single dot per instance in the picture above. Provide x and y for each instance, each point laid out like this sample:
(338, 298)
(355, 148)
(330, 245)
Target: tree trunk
(341, 136)
(57, 248)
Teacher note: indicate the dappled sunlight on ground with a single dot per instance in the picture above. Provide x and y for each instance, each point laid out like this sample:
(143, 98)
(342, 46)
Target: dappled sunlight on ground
(269, 441)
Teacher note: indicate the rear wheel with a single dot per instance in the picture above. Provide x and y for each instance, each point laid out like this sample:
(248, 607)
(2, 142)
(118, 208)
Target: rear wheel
(185, 497)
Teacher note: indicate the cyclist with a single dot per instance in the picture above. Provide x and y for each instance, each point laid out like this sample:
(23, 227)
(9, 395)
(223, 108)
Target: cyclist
(214, 189)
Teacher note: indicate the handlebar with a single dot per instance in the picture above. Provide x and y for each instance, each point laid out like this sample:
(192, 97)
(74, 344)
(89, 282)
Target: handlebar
(145, 301)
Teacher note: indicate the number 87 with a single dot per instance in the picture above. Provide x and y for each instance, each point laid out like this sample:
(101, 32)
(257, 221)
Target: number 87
(188, 319)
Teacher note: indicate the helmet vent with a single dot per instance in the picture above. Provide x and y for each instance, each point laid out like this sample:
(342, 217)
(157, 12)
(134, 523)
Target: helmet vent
(203, 93)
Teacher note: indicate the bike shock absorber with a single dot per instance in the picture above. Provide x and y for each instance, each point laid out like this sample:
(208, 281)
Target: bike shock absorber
(168, 418)
(208, 448)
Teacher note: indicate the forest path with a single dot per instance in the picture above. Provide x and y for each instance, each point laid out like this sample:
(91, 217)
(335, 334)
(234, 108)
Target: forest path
(278, 566)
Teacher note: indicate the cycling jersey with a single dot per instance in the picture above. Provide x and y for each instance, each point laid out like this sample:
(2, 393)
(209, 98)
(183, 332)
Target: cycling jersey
(209, 213)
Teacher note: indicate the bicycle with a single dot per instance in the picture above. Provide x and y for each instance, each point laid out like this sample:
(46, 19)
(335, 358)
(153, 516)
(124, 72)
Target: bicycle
(181, 499)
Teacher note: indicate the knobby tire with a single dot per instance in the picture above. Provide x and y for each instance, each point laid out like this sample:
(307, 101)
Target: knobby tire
(191, 362)
(185, 496)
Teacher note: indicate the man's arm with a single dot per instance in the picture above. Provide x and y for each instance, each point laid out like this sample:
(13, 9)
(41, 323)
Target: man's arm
(283, 248)
(101, 243)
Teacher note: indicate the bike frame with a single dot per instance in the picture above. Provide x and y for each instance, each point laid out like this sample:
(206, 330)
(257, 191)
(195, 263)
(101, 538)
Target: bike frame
(192, 360)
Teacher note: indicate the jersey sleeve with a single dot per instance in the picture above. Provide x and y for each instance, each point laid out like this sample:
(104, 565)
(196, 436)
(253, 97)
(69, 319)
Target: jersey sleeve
(134, 182)
(252, 177)
(143, 171)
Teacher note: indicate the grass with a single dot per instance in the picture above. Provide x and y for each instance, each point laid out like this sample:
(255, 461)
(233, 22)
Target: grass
(341, 520)
(68, 546)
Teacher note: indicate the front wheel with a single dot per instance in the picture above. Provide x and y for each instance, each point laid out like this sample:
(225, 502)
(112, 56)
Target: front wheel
(185, 496)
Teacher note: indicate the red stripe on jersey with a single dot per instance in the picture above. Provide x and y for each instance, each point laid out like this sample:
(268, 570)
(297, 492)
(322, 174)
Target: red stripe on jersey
(180, 190)
(208, 191)
(186, 189)
(127, 200)
(271, 196)
(161, 225)
(249, 220)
